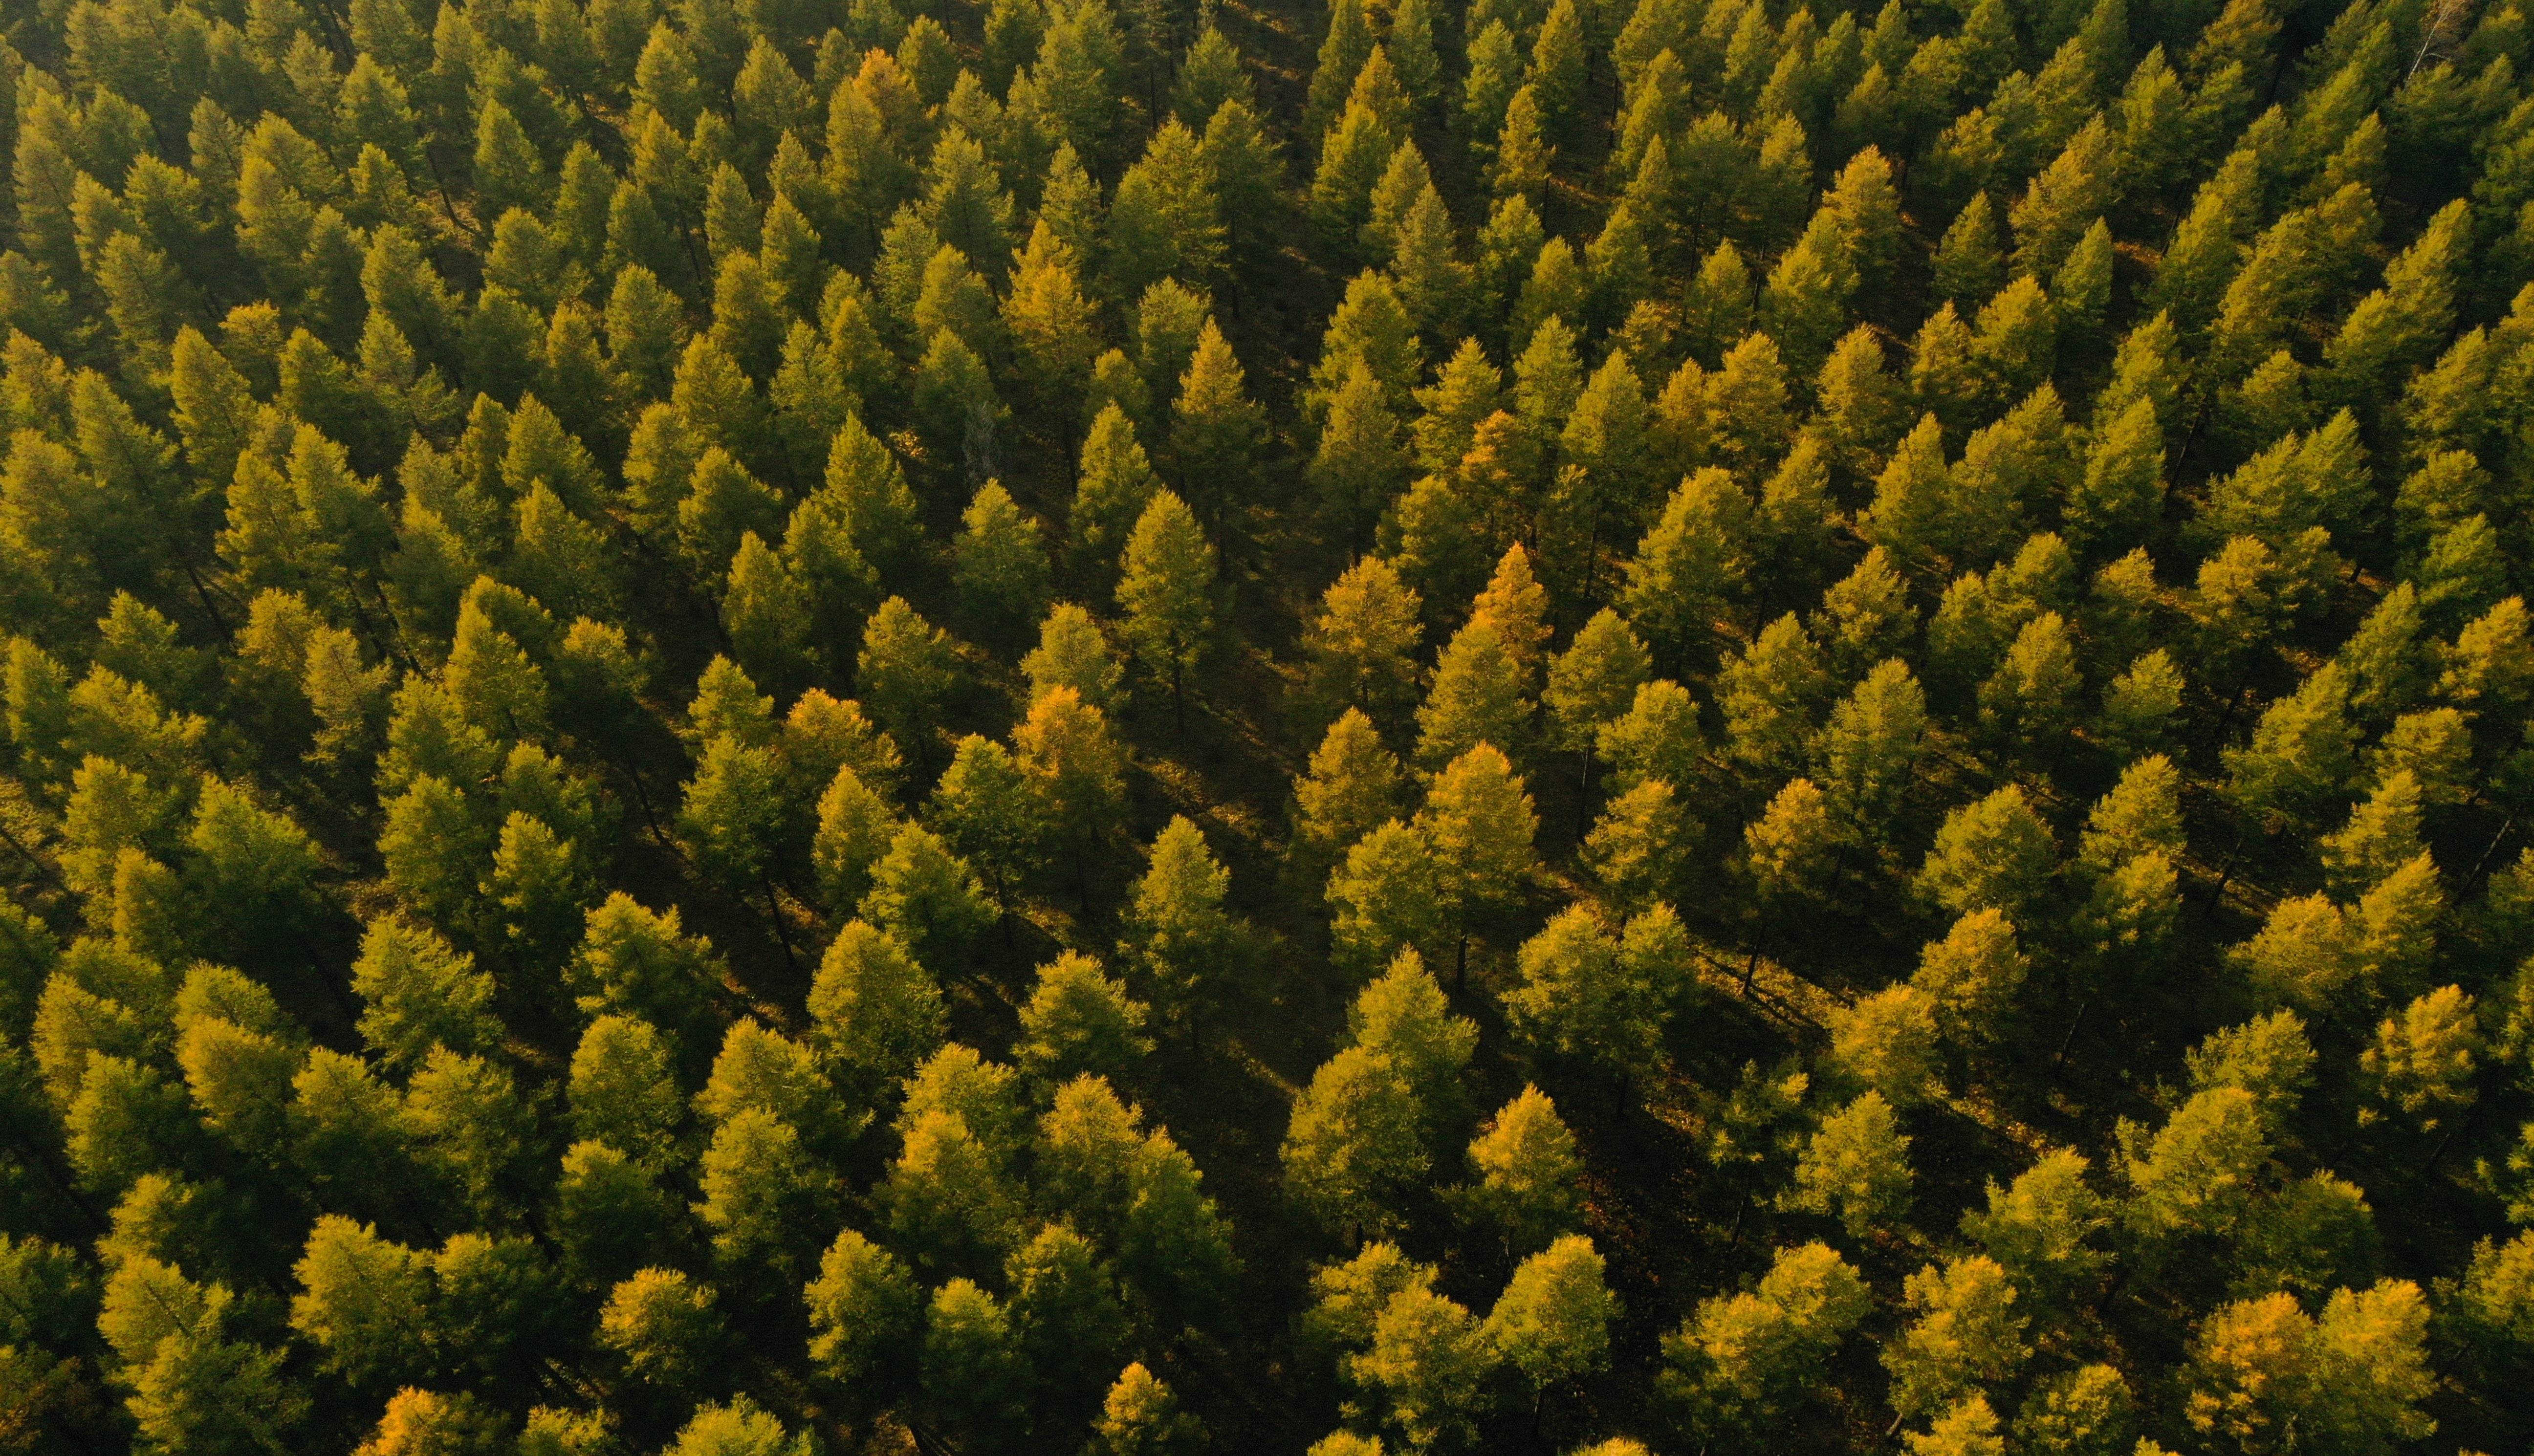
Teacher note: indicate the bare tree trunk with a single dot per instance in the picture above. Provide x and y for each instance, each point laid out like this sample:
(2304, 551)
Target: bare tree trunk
(2496, 840)
(1584, 794)
(774, 917)
(2070, 1038)
(2225, 875)
(643, 800)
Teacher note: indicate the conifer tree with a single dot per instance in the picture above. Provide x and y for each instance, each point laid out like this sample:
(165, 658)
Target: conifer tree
(1526, 1166)
(1715, 314)
(1969, 265)
(928, 898)
(1178, 932)
(1343, 51)
(1384, 896)
(1523, 153)
(1593, 682)
(1355, 1144)
(1352, 161)
(1689, 568)
(1600, 997)
(875, 1013)
(985, 809)
(1352, 786)
(1744, 1359)
(1214, 424)
(1073, 652)
(2361, 1363)
(906, 670)
(1865, 750)
(1358, 463)
(1432, 1359)
(1856, 1167)
(1116, 484)
(766, 612)
(1163, 221)
(1079, 1021)
(1210, 74)
(1141, 1416)
(1075, 771)
(388, 403)
(1000, 564)
(1165, 588)
(419, 992)
(1657, 737)
(1361, 645)
(1495, 73)
(1047, 316)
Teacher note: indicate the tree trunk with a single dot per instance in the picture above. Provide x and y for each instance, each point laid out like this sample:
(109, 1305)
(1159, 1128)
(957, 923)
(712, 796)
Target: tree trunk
(2225, 875)
(439, 186)
(2234, 706)
(2070, 1038)
(50, 876)
(774, 917)
(1584, 794)
(642, 799)
(2496, 840)
(2453, 1134)
(203, 593)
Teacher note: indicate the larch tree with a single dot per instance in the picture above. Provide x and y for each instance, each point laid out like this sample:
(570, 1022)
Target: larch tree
(1598, 995)
(1363, 643)
(1592, 683)
(1180, 936)
(875, 1013)
(1165, 588)
(906, 669)
(1744, 1360)
(1526, 1170)
(1350, 786)
(1000, 564)
(1356, 1145)
(928, 898)
(454, 463)
(1552, 1322)
(1479, 827)
(1478, 697)
(1215, 426)
(1081, 1021)
(1856, 1167)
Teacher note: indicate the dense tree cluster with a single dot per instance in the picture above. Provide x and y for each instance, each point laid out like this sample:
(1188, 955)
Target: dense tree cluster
(740, 728)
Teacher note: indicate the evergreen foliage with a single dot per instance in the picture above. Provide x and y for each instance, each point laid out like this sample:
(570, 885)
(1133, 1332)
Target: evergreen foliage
(1607, 726)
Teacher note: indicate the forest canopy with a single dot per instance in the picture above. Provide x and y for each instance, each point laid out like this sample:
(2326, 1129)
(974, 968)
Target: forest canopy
(1129, 727)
